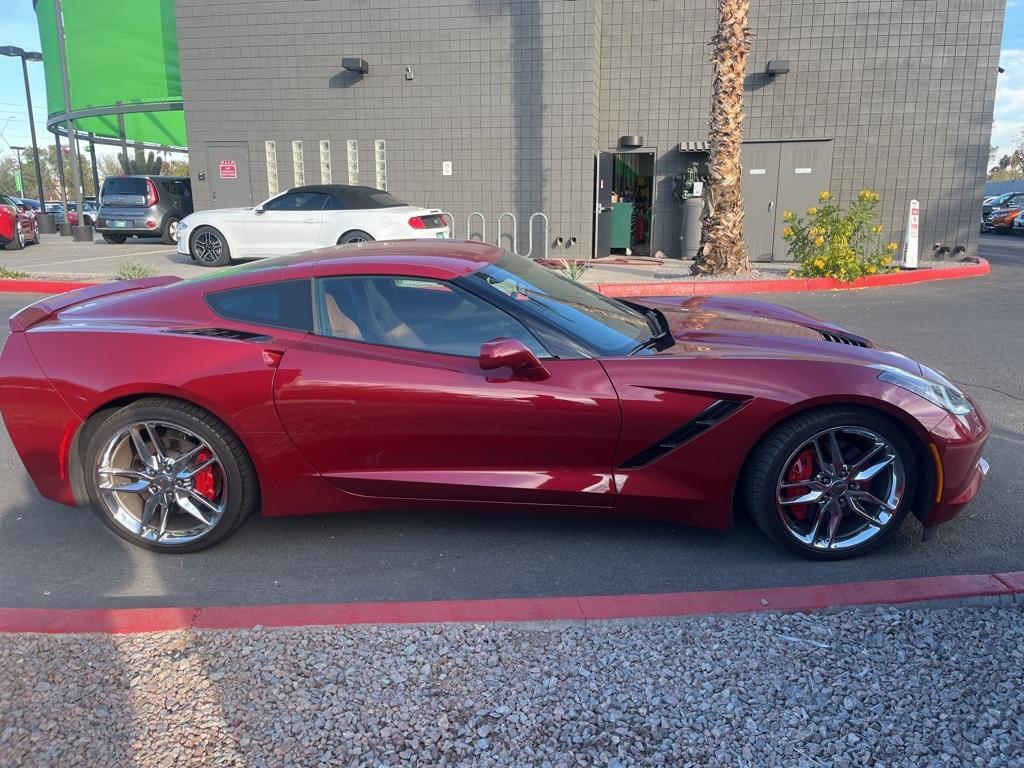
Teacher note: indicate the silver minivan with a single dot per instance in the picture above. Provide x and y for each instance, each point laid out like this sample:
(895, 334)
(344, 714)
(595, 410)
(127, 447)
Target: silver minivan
(144, 206)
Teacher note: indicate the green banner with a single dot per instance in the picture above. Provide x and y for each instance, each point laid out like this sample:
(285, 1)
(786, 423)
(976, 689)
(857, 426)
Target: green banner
(118, 51)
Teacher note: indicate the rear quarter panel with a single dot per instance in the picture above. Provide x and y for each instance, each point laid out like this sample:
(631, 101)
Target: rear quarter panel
(93, 366)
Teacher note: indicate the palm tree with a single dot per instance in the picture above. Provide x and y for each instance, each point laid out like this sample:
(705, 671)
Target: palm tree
(722, 250)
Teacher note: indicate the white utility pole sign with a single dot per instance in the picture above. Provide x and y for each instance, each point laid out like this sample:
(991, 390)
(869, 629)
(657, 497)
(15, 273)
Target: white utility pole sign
(911, 243)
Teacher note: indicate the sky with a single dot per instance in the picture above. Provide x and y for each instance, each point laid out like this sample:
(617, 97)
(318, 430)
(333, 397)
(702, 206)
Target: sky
(20, 29)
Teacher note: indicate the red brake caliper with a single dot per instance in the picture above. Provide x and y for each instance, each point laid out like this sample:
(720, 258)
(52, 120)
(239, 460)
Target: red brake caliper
(205, 482)
(801, 469)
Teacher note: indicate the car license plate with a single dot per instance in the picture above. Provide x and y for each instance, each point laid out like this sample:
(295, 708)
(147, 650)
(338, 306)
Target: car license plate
(119, 224)
(442, 235)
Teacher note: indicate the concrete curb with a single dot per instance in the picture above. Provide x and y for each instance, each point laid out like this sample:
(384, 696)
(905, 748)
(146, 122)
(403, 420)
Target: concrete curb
(667, 288)
(789, 285)
(1005, 586)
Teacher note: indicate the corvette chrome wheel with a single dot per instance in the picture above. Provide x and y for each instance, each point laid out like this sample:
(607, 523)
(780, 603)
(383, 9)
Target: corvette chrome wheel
(841, 488)
(161, 482)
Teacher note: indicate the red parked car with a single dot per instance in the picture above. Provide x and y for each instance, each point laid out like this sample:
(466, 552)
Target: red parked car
(1002, 221)
(17, 224)
(443, 375)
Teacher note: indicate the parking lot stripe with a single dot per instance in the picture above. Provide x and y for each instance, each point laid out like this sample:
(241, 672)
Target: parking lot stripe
(567, 608)
(64, 262)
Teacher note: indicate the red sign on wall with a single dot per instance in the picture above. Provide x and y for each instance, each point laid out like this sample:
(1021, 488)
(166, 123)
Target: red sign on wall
(228, 169)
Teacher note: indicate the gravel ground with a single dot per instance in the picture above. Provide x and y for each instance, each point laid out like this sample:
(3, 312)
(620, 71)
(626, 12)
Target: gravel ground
(883, 687)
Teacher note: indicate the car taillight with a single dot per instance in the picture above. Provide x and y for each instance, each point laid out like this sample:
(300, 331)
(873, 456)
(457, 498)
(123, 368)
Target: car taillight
(152, 198)
(427, 222)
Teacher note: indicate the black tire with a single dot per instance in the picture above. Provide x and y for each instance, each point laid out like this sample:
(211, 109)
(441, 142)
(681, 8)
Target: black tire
(355, 236)
(114, 239)
(169, 233)
(17, 242)
(769, 460)
(209, 248)
(239, 475)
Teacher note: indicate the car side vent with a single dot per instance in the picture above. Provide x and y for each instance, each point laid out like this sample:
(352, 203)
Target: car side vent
(837, 338)
(714, 414)
(221, 333)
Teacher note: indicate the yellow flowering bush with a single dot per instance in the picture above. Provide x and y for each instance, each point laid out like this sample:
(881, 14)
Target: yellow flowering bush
(835, 243)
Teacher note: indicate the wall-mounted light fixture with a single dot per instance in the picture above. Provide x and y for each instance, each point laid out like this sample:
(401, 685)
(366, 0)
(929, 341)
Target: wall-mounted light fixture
(778, 67)
(355, 65)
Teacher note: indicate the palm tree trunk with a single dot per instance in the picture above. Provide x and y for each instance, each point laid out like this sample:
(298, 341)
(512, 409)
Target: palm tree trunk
(722, 250)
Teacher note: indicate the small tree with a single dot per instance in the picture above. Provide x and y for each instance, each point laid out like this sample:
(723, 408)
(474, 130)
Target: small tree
(722, 250)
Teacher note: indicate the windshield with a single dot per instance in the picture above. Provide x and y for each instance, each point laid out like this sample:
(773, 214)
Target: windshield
(604, 325)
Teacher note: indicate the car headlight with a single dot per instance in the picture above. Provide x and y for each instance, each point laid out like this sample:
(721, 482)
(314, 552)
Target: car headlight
(948, 398)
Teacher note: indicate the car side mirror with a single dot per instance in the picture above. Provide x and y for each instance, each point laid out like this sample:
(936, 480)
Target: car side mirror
(502, 352)
(258, 210)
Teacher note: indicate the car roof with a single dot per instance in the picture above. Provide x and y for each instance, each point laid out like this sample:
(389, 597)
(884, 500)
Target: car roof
(146, 176)
(338, 188)
(437, 259)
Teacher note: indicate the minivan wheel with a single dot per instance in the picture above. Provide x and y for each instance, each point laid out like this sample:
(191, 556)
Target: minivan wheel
(114, 239)
(169, 236)
(17, 242)
(209, 248)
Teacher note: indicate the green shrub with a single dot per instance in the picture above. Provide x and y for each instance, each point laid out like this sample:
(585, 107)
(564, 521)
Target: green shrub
(572, 268)
(835, 243)
(6, 273)
(133, 269)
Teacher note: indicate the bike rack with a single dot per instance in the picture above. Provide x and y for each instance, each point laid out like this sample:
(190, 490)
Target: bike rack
(451, 224)
(529, 253)
(515, 239)
(483, 226)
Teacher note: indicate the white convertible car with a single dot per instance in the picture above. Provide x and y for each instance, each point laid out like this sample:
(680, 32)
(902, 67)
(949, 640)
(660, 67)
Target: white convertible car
(302, 219)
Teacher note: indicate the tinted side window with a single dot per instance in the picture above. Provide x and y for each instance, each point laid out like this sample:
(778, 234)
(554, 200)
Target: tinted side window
(333, 204)
(414, 313)
(297, 201)
(282, 305)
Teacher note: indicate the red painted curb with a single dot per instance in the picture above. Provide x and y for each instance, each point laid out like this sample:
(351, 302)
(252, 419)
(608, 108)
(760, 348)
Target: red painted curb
(789, 284)
(786, 599)
(674, 288)
(40, 286)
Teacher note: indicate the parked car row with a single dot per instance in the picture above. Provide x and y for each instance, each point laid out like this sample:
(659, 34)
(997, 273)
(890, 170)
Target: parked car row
(1002, 212)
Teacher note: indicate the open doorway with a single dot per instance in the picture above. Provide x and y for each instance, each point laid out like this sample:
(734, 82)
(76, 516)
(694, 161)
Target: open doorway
(624, 212)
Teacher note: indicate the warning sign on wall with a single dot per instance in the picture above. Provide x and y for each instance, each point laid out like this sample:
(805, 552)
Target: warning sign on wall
(228, 169)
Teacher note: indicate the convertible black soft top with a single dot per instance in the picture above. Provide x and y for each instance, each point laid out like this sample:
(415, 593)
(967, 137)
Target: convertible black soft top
(353, 197)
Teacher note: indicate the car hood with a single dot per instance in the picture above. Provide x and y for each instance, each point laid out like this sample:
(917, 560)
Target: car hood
(216, 214)
(747, 328)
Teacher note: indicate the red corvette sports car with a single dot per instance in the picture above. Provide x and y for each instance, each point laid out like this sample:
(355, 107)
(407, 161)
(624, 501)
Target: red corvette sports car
(445, 375)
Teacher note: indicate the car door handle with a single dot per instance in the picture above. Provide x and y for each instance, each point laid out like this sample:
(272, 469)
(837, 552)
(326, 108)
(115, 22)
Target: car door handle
(309, 221)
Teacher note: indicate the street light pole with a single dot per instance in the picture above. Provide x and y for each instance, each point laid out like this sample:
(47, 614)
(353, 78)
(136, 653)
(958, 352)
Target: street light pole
(79, 232)
(43, 219)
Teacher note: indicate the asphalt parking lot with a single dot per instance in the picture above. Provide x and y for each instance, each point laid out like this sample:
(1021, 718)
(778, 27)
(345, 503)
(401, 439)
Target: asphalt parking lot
(98, 260)
(52, 556)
